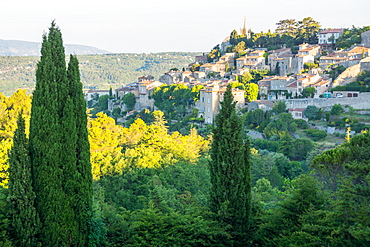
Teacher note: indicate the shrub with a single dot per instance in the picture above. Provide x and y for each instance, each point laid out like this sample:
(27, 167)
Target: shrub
(336, 109)
(271, 146)
(316, 134)
(302, 124)
(311, 112)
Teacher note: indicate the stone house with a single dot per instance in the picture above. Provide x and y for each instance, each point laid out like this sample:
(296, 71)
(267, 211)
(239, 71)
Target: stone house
(93, 93)
(325, 36)
(281, 51)
(208, 67)
(332, 59)
(300, 60)
(120, 92)
(185, 74)
(189, 79)
(220, 67)
(359, 52)
(224, 44)
(146, 89)
(346, 58)
(210, 98)
(277, 53)
(308, 80)
(201, 59)
(278, 86)
(240, 62)
(283, 64)
(295, 88)
(238, 95)
(297, 113)
(321, 86)
(228, 57)
(265, 105)
(146, 78)
(307, 49)
(171, 77)
(274, 87)
(254, 62)
(264, 87)
(199, 75)
(258, 53)
(239, 72)
(346, 94)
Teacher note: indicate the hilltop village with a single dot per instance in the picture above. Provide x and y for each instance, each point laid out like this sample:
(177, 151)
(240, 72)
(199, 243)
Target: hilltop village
(259, 77)
(285, 162)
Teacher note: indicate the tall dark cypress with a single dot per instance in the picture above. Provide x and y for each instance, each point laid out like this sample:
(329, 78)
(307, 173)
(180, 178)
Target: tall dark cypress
(83, 204)
(23, 216)
(60, 166)
(230, 170)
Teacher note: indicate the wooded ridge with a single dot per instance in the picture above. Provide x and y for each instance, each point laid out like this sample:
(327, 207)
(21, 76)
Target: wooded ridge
(100, 71)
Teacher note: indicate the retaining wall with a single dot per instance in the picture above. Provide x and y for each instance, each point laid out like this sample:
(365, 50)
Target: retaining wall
(361, 102)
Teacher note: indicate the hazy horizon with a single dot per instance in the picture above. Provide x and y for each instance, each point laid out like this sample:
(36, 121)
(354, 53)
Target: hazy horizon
(166, 26)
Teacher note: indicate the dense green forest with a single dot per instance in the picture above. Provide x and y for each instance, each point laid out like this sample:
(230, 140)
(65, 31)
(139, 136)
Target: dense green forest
(152, 187)
(101, 71)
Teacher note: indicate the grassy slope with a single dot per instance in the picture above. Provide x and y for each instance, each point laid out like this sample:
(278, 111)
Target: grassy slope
(101, 71)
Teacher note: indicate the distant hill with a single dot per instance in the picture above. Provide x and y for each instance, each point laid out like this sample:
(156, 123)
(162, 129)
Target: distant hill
(26, 48)
(100, 71)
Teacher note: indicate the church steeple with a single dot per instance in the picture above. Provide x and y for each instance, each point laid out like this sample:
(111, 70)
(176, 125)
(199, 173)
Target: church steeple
(243, 31)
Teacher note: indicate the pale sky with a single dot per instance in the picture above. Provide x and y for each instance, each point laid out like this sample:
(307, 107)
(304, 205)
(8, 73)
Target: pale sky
(140, 26)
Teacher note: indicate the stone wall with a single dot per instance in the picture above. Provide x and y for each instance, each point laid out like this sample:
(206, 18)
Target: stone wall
(361, 102)
(351, 73)
(348, 76)
(365, 64)
(365, 38)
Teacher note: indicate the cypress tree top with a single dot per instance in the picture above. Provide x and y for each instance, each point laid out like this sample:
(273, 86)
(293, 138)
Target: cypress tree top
(59, 149)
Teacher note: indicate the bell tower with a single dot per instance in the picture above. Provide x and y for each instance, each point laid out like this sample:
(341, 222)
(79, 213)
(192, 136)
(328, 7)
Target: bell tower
(244, 31)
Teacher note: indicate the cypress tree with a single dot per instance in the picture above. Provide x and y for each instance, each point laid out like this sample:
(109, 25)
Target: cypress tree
(230, 170)
(22, 211)
(61, 171)
(83, 205)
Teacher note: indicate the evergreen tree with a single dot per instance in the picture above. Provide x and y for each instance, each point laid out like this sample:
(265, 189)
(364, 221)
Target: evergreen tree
(22, 211)
(110, 92)
(83, 205)
(344, 171)
(230, 170)
(61, 170)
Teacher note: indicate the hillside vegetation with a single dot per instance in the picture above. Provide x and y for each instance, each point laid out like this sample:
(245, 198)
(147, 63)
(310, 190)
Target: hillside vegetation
(27, 48)
(101, 71)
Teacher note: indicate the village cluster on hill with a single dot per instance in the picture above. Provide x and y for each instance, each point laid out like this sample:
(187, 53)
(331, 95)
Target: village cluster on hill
(311, 71)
